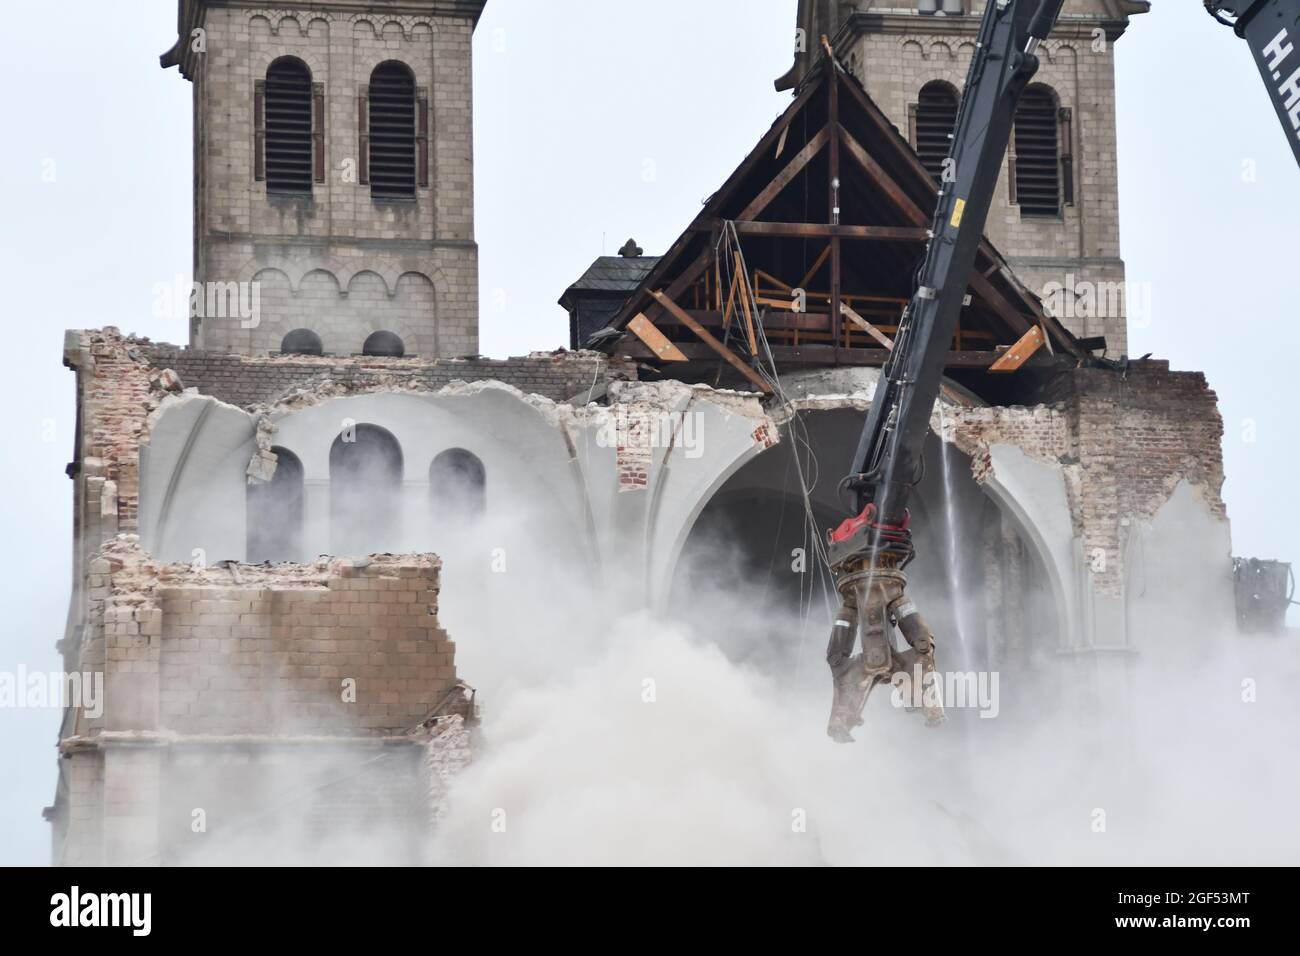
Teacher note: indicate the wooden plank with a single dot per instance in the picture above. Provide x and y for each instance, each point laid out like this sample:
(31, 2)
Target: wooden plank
(892, 191)
(787, 174)
(904, 204)
(867, 327)
(731, 300)
(707, 338)
(773, 279)
(998, 303)
(774, 321)
(820, 355)
(1020, 353)
(682, 282)
(821, 259)
(672, 257)
(744, 303)
(655, 340)
(922, 176)
(820, 230)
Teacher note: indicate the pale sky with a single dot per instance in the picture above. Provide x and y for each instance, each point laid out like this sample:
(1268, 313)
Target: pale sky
(573, 97)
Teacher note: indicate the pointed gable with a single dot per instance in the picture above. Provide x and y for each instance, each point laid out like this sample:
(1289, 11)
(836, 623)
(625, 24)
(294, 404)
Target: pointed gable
(781, 222)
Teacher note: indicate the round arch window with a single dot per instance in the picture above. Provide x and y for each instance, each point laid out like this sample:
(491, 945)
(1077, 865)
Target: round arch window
(302, 342)
(384, 345)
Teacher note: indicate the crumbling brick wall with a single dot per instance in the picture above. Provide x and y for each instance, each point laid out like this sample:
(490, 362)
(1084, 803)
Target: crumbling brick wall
(1125, 438)
(204, 664)
(246, 382)
(326, 648)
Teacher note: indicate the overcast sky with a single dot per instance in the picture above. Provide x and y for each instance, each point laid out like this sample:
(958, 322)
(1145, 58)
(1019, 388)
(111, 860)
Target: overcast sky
(575, 100)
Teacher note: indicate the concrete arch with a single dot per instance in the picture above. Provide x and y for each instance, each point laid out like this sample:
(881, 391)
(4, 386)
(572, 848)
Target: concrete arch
(192, 479)
(1033, 496)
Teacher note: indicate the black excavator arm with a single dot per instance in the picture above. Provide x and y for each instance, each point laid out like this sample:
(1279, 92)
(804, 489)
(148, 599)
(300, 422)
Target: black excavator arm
(869, 551)
(1272, 29)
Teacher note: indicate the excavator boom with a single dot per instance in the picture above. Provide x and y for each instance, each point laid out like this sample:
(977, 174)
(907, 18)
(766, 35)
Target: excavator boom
(1272, 30)
(869, 551)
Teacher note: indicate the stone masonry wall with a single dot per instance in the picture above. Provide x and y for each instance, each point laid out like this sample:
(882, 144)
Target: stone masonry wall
(337, 261)
(895, 52)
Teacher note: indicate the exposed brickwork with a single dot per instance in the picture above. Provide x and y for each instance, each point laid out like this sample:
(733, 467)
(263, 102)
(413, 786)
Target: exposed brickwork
(246, 382)
(262, 651)
(117, 389)
(1125, 439)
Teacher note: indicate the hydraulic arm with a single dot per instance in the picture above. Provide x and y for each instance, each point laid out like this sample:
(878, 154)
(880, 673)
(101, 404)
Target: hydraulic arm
(1271, 28)
(869, 551)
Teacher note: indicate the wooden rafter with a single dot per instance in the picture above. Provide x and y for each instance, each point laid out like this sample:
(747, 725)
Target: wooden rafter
(707, 338)
(786, 176)
(908, 207)
(1020, 353)
(756, 155)
(922, 176)
(867, 327)
(655, 341)
(745, 304)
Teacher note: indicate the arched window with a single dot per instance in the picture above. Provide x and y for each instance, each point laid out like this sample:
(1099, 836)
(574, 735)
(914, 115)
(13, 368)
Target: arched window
(395, 129)
(302, 342)
(274, 518)
(1036, 158)
(289, 128)
(935, 118)
(365, 491)
(457, 487)
(383, 345)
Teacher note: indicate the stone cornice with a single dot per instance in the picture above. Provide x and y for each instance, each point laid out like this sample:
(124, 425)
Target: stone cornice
(191, 15)
(896, 23)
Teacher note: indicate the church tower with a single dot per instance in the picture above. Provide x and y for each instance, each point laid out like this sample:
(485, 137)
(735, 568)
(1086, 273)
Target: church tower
(333, 176)
(1056, 213)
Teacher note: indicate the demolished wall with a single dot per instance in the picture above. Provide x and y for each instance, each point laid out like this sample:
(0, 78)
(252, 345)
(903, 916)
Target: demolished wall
(321, 658)
(222, 659)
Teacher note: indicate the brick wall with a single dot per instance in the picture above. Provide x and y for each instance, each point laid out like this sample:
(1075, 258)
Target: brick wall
(199, 652)
(247, 381)
(1124, 439)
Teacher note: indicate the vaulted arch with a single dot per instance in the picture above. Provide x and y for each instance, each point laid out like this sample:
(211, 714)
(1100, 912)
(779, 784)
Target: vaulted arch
(365, 466)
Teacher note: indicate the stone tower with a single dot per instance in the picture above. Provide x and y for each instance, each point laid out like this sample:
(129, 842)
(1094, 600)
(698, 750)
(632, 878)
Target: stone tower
(1056, 213)
(333, 176)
